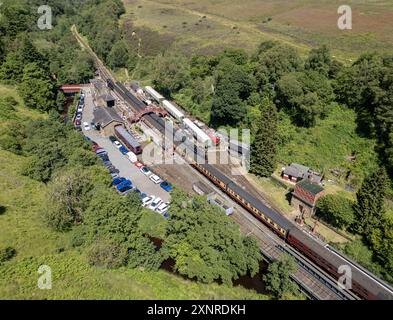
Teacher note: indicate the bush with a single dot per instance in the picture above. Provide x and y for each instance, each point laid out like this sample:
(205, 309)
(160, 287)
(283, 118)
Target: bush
(336, 210)
(107, 254)
(7, 254)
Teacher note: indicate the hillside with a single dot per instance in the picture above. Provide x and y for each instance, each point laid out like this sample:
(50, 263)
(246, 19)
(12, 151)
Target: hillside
(23, 201)
(209, 26)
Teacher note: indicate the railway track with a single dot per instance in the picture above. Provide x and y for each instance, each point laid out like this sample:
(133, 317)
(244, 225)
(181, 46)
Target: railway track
(315, 283)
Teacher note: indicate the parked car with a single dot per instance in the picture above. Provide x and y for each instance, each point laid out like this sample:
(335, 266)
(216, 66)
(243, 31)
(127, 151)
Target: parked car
(80, 108)
(78, 116)
(156, 179)
(86, 126)
(96, 147)
(117, 144)
(166, 186)
(112, 169)
(104, 157)
(166, 215)
(125, 185)
(138, 164)
(146, 171)
(117, 181)
(143, 195)
(124, 150)
(77, 122)
(112, 139)
(107, 163)
(163, 208)
(114, 175)
(147, 201)
(132, 157)
(155, 203)
(100, 150)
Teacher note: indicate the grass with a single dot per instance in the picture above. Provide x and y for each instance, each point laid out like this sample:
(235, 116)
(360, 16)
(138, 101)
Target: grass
(22, 202)
(208, 26)
(328, 146)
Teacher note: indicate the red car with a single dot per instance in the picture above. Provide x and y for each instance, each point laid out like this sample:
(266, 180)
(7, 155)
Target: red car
(138, 164)
(77, 122)
(96, 147)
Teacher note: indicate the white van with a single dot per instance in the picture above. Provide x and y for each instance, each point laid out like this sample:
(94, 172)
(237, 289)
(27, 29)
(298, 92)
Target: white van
(132, 157)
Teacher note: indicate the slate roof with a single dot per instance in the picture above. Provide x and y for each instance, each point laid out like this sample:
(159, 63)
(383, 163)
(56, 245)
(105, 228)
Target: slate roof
(105, 116)
(310, 187)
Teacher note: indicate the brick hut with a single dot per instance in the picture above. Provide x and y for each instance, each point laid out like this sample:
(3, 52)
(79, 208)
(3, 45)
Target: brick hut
(305, 197)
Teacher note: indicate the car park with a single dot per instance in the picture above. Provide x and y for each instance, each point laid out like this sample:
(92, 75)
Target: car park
(166, 186)
(147, 200)
(86, 126)
(163, 208)
(155, 203)
(156, 179)
(146, 171)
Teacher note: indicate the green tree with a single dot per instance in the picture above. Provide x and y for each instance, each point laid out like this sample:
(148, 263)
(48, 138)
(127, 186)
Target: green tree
(171, 73)
(36, 88)
(382, 244)
(319, 60)
(118, 56)
(68, 197)
(6, 254)
(107, 254)
(233, 86)
(337, 210)
(263, 157)
(278, 279)
(369, 208)
(205, 244)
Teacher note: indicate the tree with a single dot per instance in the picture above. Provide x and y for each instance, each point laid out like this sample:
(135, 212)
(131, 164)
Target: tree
(205, 244)
(36, 88)
(263, 158)
(171, 73)
(278, 279)
(118, 56)
(6, 254)
(304, 95)
(382, 244)
(369, 208)
(272, 62)
(319, 60)
(337, 210)
(107, 254)
(117, 218)
(68, 197)
(233, 86)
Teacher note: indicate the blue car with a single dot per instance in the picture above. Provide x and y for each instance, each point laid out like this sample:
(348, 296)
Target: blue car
(166, 186)
(166, 215)
(117, 181)
(125, 183)
(123, 150)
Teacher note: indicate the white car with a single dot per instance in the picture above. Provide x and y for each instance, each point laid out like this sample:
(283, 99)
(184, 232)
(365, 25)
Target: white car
(132, 157)
(86, 126)
(155, 203)
(117, 144)
(145, 171)
(163, 208)
(80, 108)
(147, 201)
(156, 179)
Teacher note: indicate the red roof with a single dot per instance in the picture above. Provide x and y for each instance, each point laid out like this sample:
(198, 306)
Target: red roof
(70, 88)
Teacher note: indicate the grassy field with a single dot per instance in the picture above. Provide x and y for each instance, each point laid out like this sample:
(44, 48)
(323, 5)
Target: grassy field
(22, 202)
(208, 26)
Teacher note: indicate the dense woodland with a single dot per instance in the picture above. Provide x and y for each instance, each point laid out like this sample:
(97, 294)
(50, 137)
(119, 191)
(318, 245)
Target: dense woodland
(282, 97)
